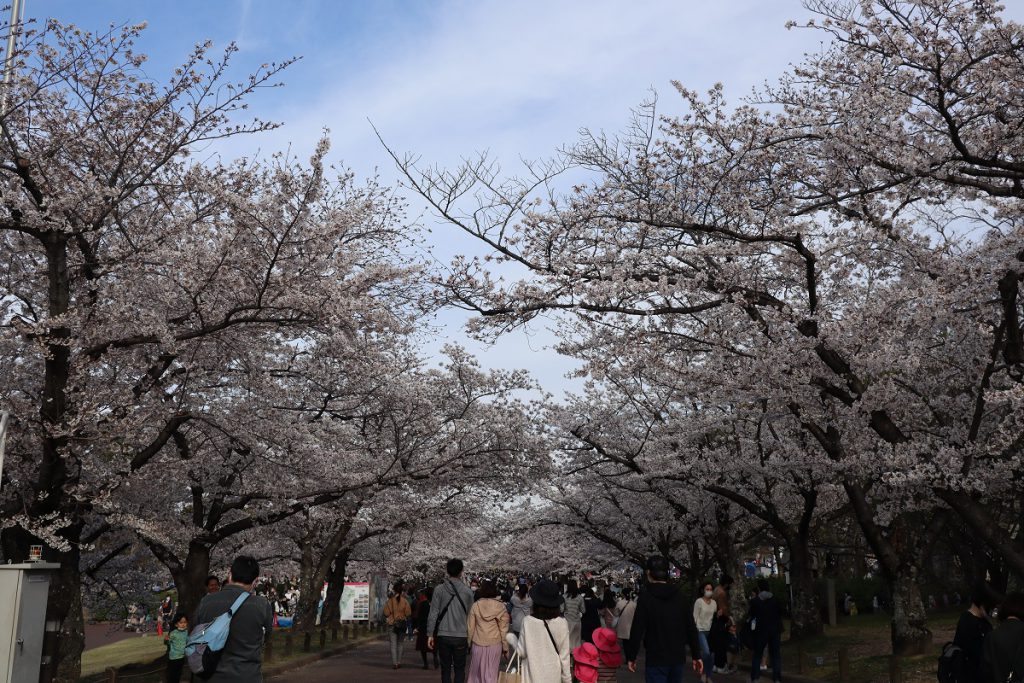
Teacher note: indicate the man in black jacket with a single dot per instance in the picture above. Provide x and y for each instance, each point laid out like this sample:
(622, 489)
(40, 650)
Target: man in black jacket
(765, 619)
(663, 624)
(1003, 651)
(971, 631)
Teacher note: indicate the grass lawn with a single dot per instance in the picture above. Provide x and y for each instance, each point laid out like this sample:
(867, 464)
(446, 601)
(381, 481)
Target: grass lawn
(140, 651)
(121, 653)
(279, 658)
(866, 638)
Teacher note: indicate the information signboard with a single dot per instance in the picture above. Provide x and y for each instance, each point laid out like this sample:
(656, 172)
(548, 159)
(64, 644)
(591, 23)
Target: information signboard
(355, 602)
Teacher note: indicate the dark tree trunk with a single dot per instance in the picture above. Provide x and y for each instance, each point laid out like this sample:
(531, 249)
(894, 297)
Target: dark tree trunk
(910, 634)
(335, 587)
(314, 569)
(729, 560)
(309, 589)
(806, 608)
(64, 607)
(190, 580)
(58, 472)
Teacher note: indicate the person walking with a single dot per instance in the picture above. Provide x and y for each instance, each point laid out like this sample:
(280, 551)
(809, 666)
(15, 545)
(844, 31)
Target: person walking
(724, 643)
(609, 610)
(1002, 658)
(591, 615)
(574, 613)
(704, 609)
(766, 621)
(663, 624)
(972, 629)
(522, 605)
(447, 623)
(543, 644)
(396, 615)
(411, 598)
(487, 628)
(420, 615)
(242, 656)
(626, 607)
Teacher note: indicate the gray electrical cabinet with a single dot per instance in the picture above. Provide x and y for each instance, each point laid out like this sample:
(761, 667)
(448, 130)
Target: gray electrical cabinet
(23, 594)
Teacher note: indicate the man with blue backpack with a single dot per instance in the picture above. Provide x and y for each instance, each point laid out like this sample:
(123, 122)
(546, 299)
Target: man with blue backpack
(226, 645)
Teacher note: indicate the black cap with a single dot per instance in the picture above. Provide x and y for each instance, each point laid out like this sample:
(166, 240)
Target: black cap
(546, 594)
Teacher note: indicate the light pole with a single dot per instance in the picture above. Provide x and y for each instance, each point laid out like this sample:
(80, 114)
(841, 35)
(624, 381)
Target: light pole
(17, 12)
(3, 442)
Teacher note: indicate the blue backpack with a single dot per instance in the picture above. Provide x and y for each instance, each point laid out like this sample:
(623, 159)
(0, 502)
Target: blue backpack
(206, 641)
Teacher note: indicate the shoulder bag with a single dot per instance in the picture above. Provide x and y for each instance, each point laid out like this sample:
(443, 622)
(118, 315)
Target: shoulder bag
(442, 613)
(552, 637)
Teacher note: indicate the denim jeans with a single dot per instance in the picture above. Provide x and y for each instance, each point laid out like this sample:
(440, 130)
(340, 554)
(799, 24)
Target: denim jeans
(452, 653)
(705, 652)
(664, 674)
(774, 645)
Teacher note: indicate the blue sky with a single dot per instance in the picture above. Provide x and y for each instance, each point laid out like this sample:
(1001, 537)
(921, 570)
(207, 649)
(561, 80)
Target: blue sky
(448, 78)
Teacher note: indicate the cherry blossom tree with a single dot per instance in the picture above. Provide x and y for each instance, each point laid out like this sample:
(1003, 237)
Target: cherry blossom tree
(690, 446)
(148, 296)
(842, 249)
(437, 438)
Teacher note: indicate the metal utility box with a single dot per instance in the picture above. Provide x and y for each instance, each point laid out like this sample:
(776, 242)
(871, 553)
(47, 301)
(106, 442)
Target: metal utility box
(23, 594)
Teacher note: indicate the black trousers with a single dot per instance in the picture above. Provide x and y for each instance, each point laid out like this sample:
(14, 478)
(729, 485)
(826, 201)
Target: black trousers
(452, 652)
(174, 669)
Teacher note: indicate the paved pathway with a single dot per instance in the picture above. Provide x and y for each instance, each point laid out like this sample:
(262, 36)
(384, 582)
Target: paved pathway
(371, 663)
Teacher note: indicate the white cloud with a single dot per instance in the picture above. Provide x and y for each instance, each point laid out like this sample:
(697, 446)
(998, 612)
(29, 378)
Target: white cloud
(519, 79)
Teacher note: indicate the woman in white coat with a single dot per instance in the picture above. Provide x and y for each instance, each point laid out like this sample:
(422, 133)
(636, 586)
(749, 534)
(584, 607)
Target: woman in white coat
(543, 643)
(626, 607)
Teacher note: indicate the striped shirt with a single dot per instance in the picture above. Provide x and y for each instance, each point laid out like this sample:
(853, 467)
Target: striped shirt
(606, 674)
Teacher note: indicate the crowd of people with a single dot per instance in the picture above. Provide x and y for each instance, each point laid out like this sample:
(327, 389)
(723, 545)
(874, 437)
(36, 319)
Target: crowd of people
(558, 632)
(570, 630)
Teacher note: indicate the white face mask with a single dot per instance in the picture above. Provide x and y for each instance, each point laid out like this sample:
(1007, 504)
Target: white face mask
(707, 594)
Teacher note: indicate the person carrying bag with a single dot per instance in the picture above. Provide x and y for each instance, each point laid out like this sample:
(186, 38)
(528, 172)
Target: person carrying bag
(397, 613)
(447, 623)
(511, 673)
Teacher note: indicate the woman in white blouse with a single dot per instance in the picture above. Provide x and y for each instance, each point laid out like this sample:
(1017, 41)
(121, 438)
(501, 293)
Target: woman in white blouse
(543, 643)
(704, 609)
